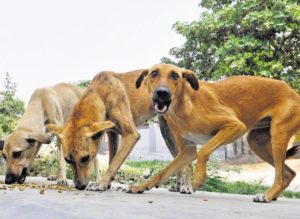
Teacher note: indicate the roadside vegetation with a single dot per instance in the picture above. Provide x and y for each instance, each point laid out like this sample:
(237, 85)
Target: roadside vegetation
(136, 171)
(214, 183)
(249, 37)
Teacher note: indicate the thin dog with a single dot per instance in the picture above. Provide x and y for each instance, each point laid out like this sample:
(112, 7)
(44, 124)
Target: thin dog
(112, 105)
(47, 105)
(217, 113)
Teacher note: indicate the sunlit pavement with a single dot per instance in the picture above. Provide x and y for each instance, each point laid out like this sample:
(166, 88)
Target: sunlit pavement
(156, 203)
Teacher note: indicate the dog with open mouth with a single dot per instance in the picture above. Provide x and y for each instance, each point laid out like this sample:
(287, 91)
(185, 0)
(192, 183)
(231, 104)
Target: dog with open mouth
(214, 114)
(109, 105)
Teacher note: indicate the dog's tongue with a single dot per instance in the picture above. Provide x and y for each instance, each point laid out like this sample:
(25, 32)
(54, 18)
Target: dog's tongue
(160, 108)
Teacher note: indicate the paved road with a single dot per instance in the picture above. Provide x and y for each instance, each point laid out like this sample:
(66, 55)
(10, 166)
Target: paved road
(156, 203)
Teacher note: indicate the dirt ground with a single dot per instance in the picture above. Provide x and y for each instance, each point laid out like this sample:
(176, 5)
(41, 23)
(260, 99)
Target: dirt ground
(251, 169)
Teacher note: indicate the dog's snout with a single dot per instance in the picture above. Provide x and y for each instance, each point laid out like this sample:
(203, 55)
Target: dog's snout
(162, 93)
(10, 178)
(80, 186)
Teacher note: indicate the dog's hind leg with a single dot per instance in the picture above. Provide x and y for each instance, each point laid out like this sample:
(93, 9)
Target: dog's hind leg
(260, 143)
(183, 182)
(167, 135)
(283, 127)
(113, 141)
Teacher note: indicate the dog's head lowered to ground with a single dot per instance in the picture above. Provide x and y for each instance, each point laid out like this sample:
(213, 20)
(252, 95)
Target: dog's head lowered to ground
(165, 82)
(80, 143)
(19, 149)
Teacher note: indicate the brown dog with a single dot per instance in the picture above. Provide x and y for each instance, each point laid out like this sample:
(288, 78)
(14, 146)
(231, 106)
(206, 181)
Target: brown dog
(47, 105)
(110, 104)
(217, 113)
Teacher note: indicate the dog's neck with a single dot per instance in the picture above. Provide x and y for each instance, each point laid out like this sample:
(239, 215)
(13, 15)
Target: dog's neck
(89, 109)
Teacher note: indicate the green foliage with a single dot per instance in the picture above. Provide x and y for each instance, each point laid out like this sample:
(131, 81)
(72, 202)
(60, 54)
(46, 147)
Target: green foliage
(11, 108)
(44, 167)
(153, 164)
(83, 83)
(214, 183)
(249, 37)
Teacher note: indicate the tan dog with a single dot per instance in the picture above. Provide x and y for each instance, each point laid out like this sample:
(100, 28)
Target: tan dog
(47, 105)
(109, 104)
(220, 112)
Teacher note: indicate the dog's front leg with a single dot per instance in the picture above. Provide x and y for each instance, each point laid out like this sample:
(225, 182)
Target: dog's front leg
(97, 168)
(184, 157)
(183, 179)
(62, 169)
(128, 140)
(187, 153)
(230, 131)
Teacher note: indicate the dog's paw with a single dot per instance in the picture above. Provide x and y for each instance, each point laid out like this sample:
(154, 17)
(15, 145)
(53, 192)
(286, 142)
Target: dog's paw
(199, 181)
(174, 188)
(185, 190)
(135, 189)
(93, 186)
(261, 198)
(62, 182)
(197, 186)
(52, 178)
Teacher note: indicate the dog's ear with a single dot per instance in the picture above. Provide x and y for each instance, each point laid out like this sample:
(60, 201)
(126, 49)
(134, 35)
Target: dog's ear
(54, 129)
(141, 78)
(40, 137)
(97, 128)
(190, 77)
(1, 145)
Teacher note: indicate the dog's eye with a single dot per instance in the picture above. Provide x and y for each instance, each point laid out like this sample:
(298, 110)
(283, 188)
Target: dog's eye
(17, 154)
(174, 75)
(30, 141)
(154, 74)
(68, 160)
(85, 159)
(96, 136)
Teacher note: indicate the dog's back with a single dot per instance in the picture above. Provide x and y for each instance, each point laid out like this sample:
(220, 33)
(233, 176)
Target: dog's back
(255, 94)
(51, 104)
(140, 99)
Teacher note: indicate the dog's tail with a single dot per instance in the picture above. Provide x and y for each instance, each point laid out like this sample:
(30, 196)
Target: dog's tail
(293, 152)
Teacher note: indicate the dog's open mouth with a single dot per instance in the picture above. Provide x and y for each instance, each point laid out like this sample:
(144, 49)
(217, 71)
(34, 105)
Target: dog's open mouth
(161, 108)
(23, 176)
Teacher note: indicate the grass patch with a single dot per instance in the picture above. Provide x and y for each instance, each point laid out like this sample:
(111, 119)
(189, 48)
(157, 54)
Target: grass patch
(153, 164)
(219, 184)
(214, 183)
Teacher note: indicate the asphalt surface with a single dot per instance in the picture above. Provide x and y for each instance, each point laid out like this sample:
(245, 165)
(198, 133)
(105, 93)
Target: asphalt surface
(156, 203)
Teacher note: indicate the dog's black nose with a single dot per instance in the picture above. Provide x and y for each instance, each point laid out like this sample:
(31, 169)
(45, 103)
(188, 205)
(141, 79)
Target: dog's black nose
(10, 178)
(162, 93)
(79, 186)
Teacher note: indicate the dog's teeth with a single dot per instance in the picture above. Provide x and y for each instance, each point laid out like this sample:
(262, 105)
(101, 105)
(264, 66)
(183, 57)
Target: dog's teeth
(160, 110)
